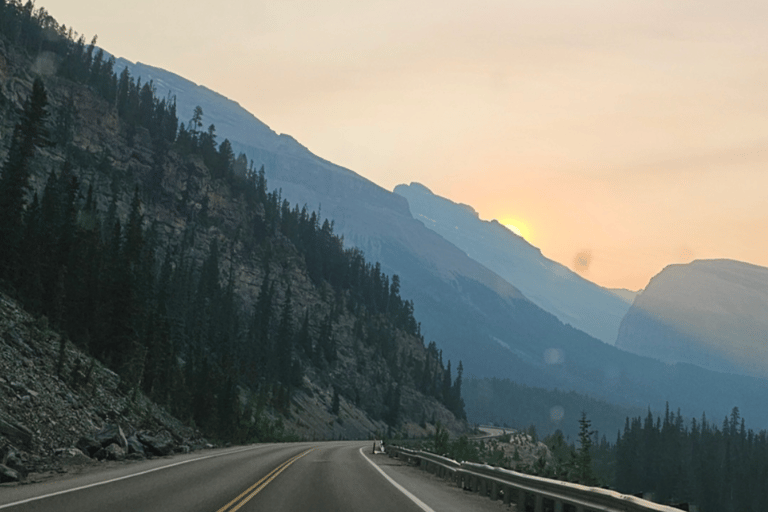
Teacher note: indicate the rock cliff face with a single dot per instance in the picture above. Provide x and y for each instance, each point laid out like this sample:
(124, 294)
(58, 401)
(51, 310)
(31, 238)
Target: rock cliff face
(710, 313)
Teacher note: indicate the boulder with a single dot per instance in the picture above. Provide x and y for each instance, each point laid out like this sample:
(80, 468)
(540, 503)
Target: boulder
(111, 452)
(11, 458)
(160, 444)
(110, 434)
(88, 445)
(135, 446)
(72, 456)
(14, 430)
(8, 475)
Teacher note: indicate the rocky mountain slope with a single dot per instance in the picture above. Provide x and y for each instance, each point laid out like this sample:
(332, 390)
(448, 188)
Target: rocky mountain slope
(548, 284)
(54, 395)
(472, 312)
(155, 253)
(710, 313)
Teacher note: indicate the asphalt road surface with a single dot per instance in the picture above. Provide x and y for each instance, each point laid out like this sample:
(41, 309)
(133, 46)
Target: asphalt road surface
(327, 476)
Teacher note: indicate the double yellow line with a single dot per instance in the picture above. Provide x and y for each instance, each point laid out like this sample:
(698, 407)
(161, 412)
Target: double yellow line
(256, 488)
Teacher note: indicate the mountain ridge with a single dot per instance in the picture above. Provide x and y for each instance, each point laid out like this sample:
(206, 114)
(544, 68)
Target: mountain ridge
(707, 312)
(503, 335)
(548, 284)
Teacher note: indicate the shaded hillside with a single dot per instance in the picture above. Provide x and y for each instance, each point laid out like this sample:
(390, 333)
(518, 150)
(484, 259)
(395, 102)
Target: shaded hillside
(710, 313)
(503, 402)
(54, 394)
(156, 250)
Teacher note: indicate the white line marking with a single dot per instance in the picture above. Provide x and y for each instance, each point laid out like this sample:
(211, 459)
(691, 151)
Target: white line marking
(423, 506)
(66, 491)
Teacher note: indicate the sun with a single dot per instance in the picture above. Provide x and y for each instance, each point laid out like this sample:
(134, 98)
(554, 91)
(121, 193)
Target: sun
(516, 226)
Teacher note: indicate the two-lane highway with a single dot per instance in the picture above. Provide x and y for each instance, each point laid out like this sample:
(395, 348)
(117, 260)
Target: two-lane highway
(331, 476)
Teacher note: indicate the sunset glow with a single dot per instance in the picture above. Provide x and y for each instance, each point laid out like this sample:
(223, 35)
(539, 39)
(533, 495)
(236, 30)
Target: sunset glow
(518, 227)
(635, 130)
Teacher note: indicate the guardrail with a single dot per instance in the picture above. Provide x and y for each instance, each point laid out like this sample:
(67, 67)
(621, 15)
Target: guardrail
(504, 431)
(523, 490)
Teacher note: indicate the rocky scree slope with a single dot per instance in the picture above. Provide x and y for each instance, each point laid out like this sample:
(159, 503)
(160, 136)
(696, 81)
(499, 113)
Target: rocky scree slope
(55, 398)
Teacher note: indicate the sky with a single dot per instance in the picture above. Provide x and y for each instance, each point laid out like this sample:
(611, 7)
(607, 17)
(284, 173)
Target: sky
(618, 136)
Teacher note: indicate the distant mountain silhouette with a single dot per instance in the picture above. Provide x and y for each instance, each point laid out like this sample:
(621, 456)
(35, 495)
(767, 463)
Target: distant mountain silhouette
(548, 284)
(711, 313)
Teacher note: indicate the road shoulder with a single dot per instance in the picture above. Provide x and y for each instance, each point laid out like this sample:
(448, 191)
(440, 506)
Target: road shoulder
(437, 493)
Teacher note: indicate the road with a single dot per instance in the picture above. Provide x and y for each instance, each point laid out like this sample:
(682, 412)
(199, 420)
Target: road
(328, 476)
(490, 431)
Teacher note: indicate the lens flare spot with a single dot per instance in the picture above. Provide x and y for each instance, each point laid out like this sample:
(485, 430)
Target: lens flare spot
(554, 356)
(582, 261)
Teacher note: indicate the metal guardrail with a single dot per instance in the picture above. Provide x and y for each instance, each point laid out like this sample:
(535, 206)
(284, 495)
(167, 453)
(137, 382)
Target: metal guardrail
(514, 487)
(504, 432)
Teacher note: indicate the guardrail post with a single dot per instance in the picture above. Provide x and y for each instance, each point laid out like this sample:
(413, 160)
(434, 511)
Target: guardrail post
(507, 494)
(494, 491)
(539, 507)
(559, 506)
(520, 500)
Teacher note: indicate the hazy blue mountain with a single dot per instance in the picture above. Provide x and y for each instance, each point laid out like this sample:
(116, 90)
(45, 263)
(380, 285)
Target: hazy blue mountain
(548, 284)
(711, 313)
(473, 313)
(627, 296)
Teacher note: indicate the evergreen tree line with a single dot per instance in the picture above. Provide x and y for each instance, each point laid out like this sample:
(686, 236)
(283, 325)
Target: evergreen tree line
(137, 104)
(668, 460)
(177, 330)
(718, 468)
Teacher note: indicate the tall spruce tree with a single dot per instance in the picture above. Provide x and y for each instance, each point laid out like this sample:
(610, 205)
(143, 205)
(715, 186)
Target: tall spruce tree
(29, 134)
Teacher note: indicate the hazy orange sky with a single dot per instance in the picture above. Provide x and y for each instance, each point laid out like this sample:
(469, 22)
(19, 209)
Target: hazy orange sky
(634, 130)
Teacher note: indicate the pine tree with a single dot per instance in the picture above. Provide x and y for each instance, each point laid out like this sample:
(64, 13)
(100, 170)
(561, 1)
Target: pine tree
(29, 134)
(335, 402)
(284, 341)
(584, 455)
(456, 405)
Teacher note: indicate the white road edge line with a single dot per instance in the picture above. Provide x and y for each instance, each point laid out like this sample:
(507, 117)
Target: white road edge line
(96, 484)
(423, 506)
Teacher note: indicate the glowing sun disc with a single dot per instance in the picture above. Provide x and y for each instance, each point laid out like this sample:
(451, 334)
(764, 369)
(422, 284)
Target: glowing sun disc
(517, 227)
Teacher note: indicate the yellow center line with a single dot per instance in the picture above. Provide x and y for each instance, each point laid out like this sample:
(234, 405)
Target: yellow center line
(261, 484)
